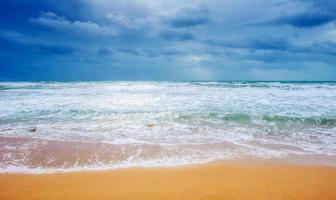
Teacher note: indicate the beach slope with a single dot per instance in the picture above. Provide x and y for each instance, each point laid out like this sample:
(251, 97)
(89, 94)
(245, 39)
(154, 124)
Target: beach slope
(209, 181)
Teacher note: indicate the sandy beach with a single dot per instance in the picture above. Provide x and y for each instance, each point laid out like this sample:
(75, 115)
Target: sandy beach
(168, 100)
(209, 181)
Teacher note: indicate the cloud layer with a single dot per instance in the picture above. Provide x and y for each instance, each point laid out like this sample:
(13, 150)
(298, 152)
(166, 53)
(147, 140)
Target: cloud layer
(168, 40)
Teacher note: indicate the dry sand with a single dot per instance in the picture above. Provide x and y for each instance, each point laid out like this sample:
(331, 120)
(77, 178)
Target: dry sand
(211, 181)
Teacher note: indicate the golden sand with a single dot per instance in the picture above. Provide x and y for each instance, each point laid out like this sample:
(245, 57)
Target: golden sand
(211, 181)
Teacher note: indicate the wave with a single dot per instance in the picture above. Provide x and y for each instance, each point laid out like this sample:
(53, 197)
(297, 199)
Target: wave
(308, 120)
(163, 122)
(91, 114)
(285, 85)
(243, 117)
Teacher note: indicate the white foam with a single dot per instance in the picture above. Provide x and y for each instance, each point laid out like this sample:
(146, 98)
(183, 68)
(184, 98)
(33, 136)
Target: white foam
(172, 114)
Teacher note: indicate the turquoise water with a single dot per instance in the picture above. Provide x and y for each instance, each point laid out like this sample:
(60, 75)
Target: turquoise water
(113, 124)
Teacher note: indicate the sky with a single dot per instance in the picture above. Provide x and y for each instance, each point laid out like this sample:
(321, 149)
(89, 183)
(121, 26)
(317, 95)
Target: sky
(88, 40)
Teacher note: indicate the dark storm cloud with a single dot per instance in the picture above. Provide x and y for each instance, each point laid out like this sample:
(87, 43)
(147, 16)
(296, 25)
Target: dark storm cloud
(170, 39)
(258, 44)
(53, 49)
(176, 35)
(189, 18)
(324, 5)
(188, 21)
(306, 20)
(41, 49)
(104, 51)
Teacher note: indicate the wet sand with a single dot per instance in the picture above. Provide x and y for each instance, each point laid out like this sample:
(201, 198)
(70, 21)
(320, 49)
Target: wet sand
(210, 181)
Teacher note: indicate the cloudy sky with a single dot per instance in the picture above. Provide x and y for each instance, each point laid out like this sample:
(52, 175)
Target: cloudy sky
(167, 40)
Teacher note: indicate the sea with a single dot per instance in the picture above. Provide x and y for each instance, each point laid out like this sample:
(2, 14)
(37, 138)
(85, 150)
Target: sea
(48, 127)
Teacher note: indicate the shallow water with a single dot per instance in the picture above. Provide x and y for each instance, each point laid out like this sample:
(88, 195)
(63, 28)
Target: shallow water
(48, 126)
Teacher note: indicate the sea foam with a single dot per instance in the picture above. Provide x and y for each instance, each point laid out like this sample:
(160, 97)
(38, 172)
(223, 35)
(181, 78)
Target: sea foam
(52, 126)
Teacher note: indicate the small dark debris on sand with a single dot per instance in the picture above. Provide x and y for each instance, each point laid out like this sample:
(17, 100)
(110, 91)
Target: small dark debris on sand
(33, 129)
(150, 125)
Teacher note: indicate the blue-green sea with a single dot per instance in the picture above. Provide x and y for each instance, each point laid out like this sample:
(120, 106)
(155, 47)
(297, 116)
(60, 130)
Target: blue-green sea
(60, 126)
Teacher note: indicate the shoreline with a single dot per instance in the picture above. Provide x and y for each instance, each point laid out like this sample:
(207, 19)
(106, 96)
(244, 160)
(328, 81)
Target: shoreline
(215, 180)
(295, 160)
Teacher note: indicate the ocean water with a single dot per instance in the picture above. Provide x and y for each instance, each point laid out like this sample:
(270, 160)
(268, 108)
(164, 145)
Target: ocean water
(66, 126)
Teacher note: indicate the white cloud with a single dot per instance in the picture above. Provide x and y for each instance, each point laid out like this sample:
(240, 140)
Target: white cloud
(202, 73)
(240, 34)
(126, 21)
(60, 22)
(330, 35)
(194, 59)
